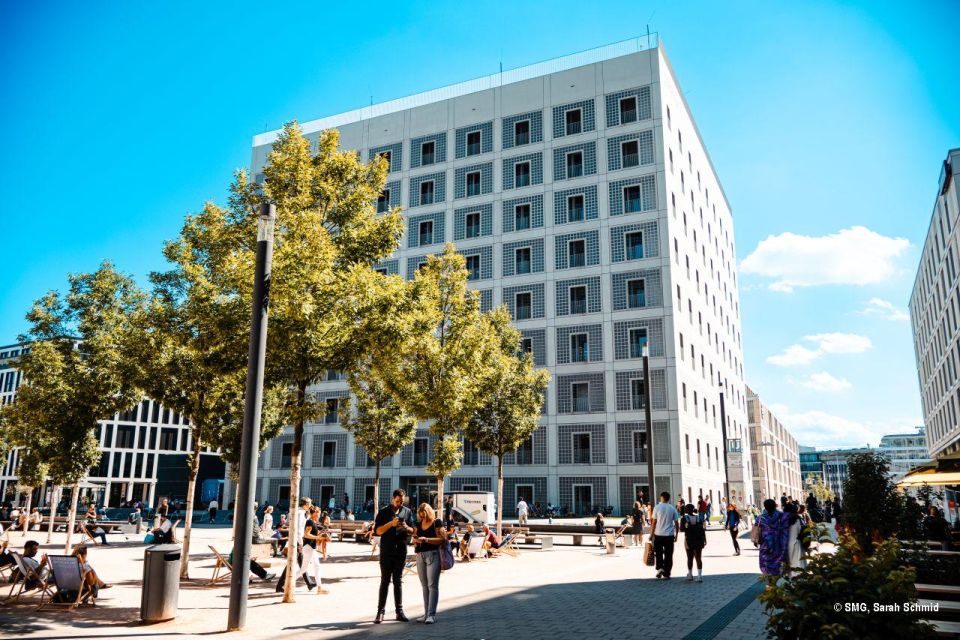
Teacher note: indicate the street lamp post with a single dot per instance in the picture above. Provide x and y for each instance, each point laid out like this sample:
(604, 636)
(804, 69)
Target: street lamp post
(646, 403)
(723, 434)
(250, 443)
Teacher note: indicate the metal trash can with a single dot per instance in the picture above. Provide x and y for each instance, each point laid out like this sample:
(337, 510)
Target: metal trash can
(611, 543)
(161, 582)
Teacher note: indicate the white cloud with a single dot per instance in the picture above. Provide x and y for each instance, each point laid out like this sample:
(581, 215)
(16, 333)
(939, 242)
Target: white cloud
(854, 256)
(797, 354)
(825, 382)
(825, 430)
(884, 309)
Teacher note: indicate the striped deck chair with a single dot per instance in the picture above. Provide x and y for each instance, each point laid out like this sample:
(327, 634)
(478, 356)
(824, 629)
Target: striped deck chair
(69, 579)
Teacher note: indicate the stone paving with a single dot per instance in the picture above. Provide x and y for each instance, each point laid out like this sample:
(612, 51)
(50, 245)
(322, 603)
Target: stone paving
(567, 592)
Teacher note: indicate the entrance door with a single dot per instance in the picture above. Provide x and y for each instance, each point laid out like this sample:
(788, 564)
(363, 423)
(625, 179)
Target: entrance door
(582, 498)
(640, 492)
(283, 498)
(420, 493)
(326, 492)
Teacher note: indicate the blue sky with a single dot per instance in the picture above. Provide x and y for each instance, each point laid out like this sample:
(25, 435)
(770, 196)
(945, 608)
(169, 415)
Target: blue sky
(827, 123)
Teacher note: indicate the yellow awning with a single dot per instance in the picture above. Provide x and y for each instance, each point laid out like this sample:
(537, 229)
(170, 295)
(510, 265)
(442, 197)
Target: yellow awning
(930, 477)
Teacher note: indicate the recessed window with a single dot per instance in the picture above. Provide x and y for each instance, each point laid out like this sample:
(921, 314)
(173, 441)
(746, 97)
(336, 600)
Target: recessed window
(332, 416)
(473, 225)
(426, 232)
(628, 110)
(473, 143)
(577, 253)
(382, 271)
(579, 350)
(575, 164)
(420, 452)
(640, 446)
(521, 132)
(473, 267)
(426, 192)
(636, 297)
(631, 199)
(523, 306)
(522, 217)
(630, 153)
(575, 208)
(638, 340)
(329, 454)
(473, 183)
(637, 394)
(634, 244)
(578, 299)
(427, 153)
(383, 202)
(580, 396)
(526, 345)
(574, 122)
(286, 455)
(521, 174)
(523, 260)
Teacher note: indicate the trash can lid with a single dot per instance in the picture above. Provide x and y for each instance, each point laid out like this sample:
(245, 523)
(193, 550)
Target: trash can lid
(162, 548)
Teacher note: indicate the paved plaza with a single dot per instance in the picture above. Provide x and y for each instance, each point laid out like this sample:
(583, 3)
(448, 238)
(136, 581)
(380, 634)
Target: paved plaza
(561, 593)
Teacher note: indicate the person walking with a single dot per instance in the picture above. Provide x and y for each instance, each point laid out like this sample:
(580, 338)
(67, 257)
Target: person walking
(794, 556)
(701, 508)
(312, 534)
(427, 539)
(709, 510)
(694, 540)
(639, 519)
(774, 530)
(393, 525)
(732, 524)
(522, 509)
(212, 510)
(663, 527)
(448, 510)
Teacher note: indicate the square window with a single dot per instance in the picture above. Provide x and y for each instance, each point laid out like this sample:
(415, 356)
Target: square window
(473, 183)
(473, 225)
(522, 260)
(427, 152)
(473, 267)
(473, 143)
(634, 245)
(578, 299)
(579, 350)
(573, 122)
(630, 153)
(635, 294)
(521, 174)
(638, 340)
(580, 397)
(575, 208)
(637, 394)
(521, 132)
(523, 306)
(631, 199)
(426, 232)
(522, 217)
(383, 202)
(575, 164)
(526, 346)
(577, 253)
(628, 110)
(332, 416)
(426, 192)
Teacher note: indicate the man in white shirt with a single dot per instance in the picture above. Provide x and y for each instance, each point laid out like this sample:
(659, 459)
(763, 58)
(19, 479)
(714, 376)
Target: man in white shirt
(522, 510)
(663, 528)
(212, 510)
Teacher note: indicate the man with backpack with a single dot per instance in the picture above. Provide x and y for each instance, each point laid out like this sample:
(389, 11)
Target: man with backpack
(694, 540)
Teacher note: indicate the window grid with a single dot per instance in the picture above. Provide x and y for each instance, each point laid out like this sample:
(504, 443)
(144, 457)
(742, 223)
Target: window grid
(536, 299)
(653, 295)
(658, 390)
(644, 111)
(536, 128)
(651, 240)
(536, 211)
(590, 209)
(486, 300)
(561, 253)
(563, 296)
(648, 194)
(439, 141)
(565, 393)
(486, 138)
(644, 141)
(588, 121)
(594, 342)
(486, 260)
(536, 169)
(396, 155)
(538, 342)
(598, 442)
(340, 457)
(598, 491)
(509, 254)
(413, 229)
(621, 337)
(460, 221)
(589, 150)
(486, 179)
(439, 188)
(392, 267)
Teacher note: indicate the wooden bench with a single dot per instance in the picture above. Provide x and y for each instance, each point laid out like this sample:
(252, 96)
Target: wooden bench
(349, 528)
(945, 629)
(938, 591)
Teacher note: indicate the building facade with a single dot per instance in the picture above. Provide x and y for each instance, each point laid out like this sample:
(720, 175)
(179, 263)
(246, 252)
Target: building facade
(581, 194)
(775, 454)
(144, 451)
(935, 317)
(811, 467)
(905, 451)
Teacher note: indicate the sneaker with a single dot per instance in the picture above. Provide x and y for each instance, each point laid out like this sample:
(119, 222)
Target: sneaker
(699, 578)
(659, 575)
(429, 620)
(689, 577)
(422, 619)
(268, 577)
(666, 577)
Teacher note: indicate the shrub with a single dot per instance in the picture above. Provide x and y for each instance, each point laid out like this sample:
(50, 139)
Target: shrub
(872, 506)
(804, 603)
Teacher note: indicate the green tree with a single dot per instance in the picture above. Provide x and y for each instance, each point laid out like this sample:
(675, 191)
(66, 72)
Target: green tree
(447, 458)
(872, 505)
(820, 491)
(76, 373)
(513, 398)
(379, 424)
(31, 474)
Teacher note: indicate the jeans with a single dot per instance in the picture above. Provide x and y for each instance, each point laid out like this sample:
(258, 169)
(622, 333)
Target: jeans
(428, 568)
(663, 552)
(391, 567)
(733, 536)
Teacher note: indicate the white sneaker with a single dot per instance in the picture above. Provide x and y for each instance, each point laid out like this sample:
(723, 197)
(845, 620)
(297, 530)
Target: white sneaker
(699, 578)
(422, 619)
(689, 577)
(429, 620)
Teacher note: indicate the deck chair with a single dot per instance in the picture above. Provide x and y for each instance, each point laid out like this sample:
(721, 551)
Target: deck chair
(507, 546)
(410, 566)
(222, 569)
(619, 533)
(374, 543)
(69, 580)
(475, 546)
(27, 574)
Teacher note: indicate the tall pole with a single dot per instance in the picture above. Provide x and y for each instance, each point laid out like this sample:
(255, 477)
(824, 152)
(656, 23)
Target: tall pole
(646, 402)
(250, 444)
(723, 434)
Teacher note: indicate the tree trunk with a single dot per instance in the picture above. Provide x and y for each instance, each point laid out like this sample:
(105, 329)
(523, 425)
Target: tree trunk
(71, 517)
(439, 494)
(194, 469)
(54, 501)
(293, 535)
(26, 521)
(500, 496)
(376, 492)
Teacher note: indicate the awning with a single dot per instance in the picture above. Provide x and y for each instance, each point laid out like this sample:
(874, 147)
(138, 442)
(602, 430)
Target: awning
(931, 477)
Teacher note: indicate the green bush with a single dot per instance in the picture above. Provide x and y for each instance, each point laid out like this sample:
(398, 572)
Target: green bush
(824, 599)
(872, 505)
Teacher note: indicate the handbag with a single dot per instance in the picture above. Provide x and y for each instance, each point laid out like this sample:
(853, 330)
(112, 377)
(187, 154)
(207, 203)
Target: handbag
(648, 554)
(148, 539)
(446, 557)
(755, 535)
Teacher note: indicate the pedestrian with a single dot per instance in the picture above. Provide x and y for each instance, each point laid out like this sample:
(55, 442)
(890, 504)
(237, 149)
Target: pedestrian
(936, 528)
(783, 499)
(599, 527)
(427, 539)
(522, 509)
(694, 540)
(794, 556)
(663, 526)
(312, 534)
(709, 509)
(212, 509)
(828, 511)
(448, 510)
(732, 523)
(639, 519)
(701, 508)
(774, 530)
(394, 524)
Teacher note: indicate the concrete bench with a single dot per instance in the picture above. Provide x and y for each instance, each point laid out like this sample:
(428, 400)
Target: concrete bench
(945, 629)
(546, 543)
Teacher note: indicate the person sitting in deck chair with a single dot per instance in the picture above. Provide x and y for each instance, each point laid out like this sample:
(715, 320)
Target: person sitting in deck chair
(163, 534)
(96, 584)
(30, 550)
(465, 543)
(490, 540)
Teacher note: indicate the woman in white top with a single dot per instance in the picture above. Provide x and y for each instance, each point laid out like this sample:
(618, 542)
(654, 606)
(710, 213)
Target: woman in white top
(266, 529)
(795, 559)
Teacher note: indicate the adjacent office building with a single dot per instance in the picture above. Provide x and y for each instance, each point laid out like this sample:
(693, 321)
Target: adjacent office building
(811, 467)
(774, 452)
(582, 196)
(905, 451)
(935, 317)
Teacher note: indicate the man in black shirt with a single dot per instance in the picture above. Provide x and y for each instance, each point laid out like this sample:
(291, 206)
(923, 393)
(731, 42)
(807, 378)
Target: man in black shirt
(394, 526)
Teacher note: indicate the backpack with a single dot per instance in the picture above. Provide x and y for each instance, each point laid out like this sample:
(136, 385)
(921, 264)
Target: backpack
(696, 536)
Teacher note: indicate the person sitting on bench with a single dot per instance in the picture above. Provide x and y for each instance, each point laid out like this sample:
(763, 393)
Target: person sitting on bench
(163, 534)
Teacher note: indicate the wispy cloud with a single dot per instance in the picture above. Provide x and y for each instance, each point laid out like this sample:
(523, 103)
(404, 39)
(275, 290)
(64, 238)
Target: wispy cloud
(797, 354)
(884, 309)
(824, 382)
(854, 256)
